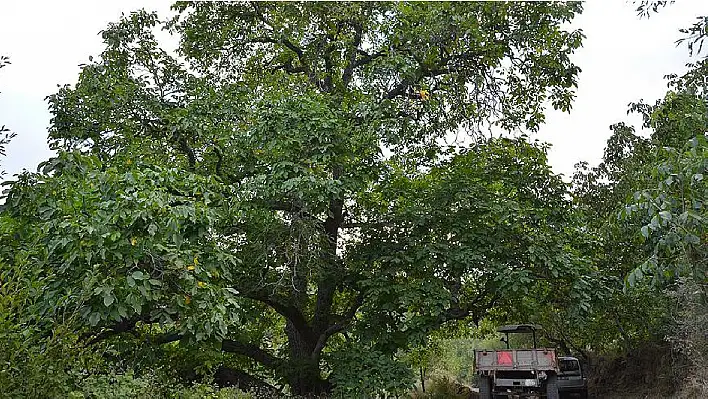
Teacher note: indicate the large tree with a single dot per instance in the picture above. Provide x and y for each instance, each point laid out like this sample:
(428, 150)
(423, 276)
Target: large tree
(305, 184)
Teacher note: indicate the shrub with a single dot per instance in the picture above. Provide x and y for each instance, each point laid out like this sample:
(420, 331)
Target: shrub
(443, 388)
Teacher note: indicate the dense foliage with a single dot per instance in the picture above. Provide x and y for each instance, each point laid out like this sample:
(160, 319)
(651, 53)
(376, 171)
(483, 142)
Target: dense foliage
(290, 195)
(301, 199)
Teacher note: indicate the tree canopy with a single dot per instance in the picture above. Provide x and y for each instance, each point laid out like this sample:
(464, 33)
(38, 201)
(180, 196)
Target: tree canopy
(305, 186)
(307, 198)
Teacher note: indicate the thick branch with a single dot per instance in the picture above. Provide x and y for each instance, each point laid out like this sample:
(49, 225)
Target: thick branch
(225, 376)
(289, 312)
(326, 288)
(251, 351)
(352, 61)
(323, 305)
(259, 14)
(186, 149)
(280, 205)
(284, 41)
(343, 324)
(219, 159)
(166, 338)
(295, 49)
(446, 65)
(329, 65)
(367, 58)
(464, 310)
(334, 219)
(403, 87)
(399, 89)
(289, 68)
(123, 326)
(231, 346)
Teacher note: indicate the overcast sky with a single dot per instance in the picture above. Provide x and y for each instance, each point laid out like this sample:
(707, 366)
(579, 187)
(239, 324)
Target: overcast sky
(623, 59)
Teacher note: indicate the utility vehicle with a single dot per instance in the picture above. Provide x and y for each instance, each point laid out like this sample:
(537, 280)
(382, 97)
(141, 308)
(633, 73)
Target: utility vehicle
(517, 373)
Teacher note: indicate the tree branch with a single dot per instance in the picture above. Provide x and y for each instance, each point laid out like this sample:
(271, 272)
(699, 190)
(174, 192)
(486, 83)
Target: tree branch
(289, 68)
(305, 67)
(125, 325)
(166, 338)
(462, 311)
(280, 205)
(186, 149)
(323, 305)
(352, 63)
(259, 14)
(226, 376)
(445, 66)
(289, 312)
(251, 351)
(219, 159)
(367, 58)
(326, 288)
(344, 322)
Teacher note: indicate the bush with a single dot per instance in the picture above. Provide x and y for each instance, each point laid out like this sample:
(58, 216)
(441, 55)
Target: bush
(365, 373)
(128, 386)
(442, 388)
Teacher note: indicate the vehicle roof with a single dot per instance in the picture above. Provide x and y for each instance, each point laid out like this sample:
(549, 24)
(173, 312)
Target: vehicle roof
(519, 328)
(567, 358)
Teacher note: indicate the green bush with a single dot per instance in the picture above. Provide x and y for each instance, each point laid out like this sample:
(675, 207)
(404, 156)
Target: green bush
(128, 386)
(442, 388)
(366, 373)
(121, 386)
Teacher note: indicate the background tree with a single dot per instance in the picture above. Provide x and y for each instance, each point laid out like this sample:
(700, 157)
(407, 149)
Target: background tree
(645, 204)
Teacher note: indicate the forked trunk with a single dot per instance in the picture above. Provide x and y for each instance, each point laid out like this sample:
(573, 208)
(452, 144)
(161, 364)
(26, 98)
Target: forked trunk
(304, 376)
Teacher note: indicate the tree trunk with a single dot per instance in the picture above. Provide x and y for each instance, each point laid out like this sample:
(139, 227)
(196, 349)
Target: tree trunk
(306, 381)
(304, 376)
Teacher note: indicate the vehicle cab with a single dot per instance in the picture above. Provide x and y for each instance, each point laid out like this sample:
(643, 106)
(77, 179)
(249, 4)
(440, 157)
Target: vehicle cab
(571, 379)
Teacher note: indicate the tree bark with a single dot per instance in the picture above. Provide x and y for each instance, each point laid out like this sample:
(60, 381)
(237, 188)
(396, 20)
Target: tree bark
(304, 375)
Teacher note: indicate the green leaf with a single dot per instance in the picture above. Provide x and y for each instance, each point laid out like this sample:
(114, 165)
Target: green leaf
(138, 275)
(94, 318)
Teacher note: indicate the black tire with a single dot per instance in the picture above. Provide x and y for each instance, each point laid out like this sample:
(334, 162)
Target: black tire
(485, 387)
(552, 387)
(584, 394)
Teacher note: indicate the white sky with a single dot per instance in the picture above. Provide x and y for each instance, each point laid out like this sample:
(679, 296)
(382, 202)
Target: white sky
(623, 59)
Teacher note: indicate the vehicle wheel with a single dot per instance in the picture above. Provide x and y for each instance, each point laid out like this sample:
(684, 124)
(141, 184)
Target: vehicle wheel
(552, 387)
(485, 387)
(584, 394)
